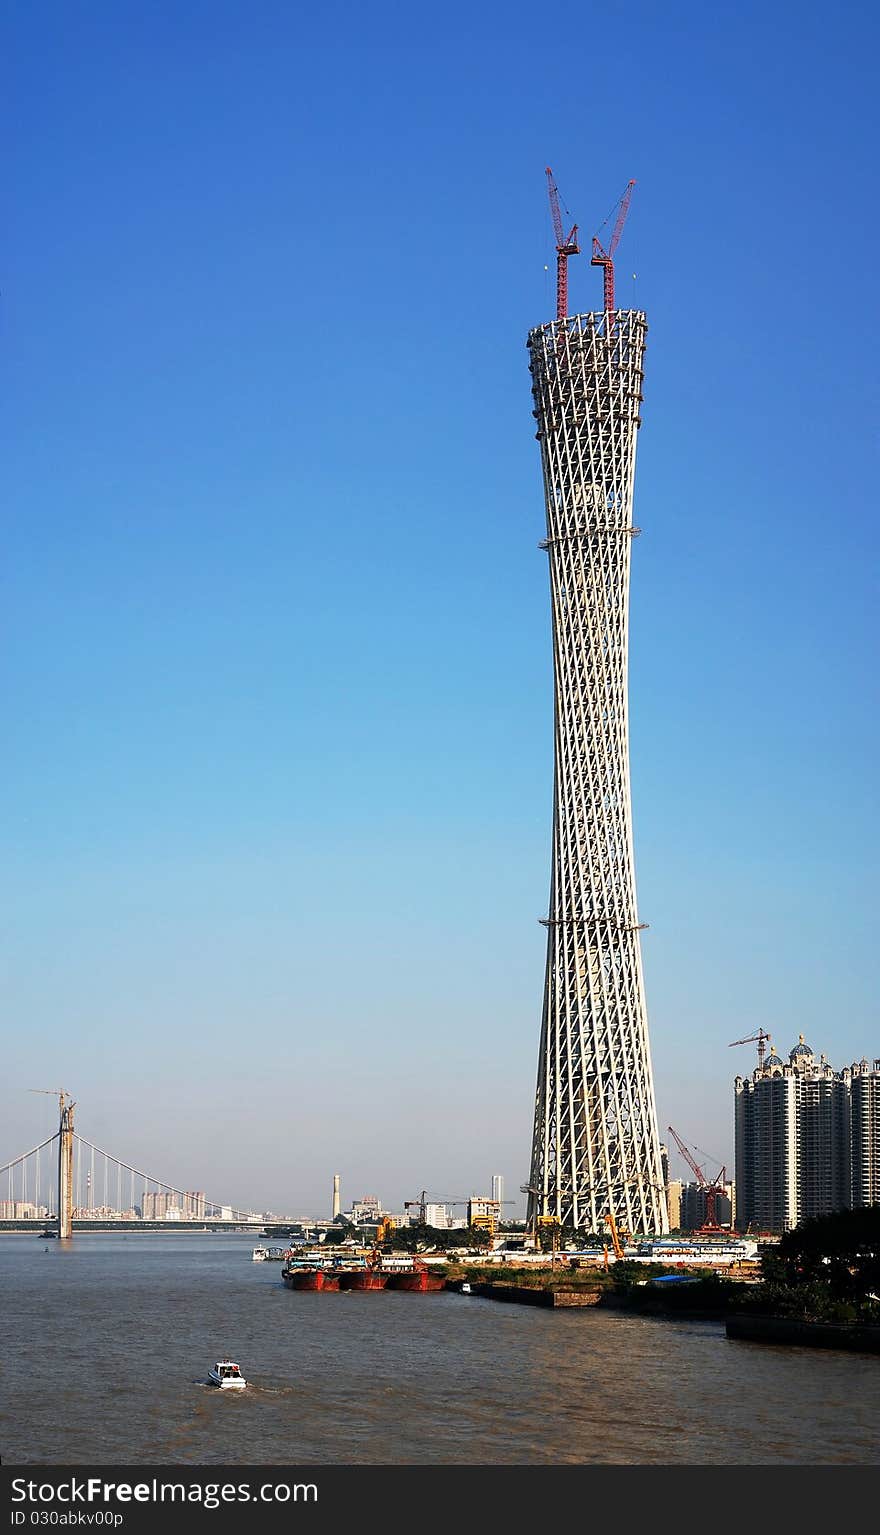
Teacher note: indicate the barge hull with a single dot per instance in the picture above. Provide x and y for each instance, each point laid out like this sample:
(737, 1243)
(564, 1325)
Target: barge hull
(418, 1282)
(315, 1279)
(362, 1281)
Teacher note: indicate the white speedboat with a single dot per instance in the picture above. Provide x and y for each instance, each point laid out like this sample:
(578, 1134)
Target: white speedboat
(260, 1254)
(226, 1374)
(465, 1289)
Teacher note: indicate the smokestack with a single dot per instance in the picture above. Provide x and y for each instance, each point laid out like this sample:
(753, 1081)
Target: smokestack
(335, 1195)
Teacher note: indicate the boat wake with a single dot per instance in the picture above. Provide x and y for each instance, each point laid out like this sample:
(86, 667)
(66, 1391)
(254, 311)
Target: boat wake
(253, 1390)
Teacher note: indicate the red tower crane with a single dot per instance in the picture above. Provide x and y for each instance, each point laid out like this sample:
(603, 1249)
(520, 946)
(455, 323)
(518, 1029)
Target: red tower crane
(566, 245)
(605, 258)
(711, 1187)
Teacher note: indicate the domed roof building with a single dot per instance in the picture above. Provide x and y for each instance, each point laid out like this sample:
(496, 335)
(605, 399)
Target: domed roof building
(807, 1140)
(801, 1055)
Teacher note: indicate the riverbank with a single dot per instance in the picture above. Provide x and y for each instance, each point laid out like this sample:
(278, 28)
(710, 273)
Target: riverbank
(533, 1295)
(857, 1338)
(706, 1300)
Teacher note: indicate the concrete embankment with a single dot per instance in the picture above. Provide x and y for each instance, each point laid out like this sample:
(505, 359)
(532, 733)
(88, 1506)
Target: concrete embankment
(670, 1306)
(527, 1295)
(644, 1301)
(861, 1339)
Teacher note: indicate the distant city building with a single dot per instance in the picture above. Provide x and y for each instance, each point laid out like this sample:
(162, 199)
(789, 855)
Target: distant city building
(483, 1212)
(436, 1216)
(807, 1139)
(168, 1205)
(673, 1201)
(21, 1210)
(498, 1188)
(693, 1207)
(865, 1133)
(366, 1212)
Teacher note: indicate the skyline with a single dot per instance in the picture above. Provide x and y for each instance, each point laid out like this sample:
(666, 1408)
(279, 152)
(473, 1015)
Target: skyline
(271, 550)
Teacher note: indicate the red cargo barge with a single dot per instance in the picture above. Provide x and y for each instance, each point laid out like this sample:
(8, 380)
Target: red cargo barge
(310, 1279)
(362, 1279)
(416, 1279)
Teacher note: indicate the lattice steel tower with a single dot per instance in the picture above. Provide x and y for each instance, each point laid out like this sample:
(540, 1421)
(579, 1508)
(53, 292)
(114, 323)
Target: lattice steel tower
(595, 1149)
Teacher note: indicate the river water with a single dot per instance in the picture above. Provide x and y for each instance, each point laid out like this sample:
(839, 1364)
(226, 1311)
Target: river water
(105, 1343)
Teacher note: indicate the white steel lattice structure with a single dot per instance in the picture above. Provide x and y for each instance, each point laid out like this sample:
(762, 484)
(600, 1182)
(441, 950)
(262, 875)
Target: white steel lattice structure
(596, 1149)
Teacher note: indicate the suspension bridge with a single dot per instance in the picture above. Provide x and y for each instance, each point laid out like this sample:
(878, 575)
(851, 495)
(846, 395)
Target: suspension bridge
(68, 1183)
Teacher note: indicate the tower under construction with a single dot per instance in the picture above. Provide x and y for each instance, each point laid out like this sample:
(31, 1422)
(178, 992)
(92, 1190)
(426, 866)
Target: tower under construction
(595, 1149)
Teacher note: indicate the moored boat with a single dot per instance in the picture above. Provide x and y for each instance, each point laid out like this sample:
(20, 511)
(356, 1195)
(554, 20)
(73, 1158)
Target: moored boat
(419, 1280)
(310, 1279)
(362, 1279)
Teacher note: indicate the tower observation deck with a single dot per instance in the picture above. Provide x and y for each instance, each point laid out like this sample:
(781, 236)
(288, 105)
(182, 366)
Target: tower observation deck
(596, 1148)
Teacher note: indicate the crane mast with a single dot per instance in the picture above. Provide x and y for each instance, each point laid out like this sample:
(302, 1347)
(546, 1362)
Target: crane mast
(605, 258)
(566, 245)
(711, 1187)
(761, 1039)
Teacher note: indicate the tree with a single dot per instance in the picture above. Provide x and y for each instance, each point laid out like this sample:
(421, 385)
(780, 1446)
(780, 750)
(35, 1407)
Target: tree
(827, 1268)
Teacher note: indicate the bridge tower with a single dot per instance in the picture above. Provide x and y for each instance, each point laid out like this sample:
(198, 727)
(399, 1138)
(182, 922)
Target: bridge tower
(65, 1166)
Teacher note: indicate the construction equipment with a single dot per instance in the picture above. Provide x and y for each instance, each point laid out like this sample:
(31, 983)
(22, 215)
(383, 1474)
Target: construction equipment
(605, 258)
(483, 1222)
(550, 1224)
(60, 1093)
(566, 245)
(711, 1187)
(761, 1039)
(421, 1204)
(616, 1243)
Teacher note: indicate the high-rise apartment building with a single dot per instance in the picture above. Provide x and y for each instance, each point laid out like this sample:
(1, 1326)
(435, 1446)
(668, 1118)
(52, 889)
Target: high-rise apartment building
(807, 1139)
(865, 1133)
(168, 1204)
(155, 1205)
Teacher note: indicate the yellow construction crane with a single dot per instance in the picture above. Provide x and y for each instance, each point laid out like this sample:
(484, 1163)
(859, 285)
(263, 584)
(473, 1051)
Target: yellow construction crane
(611, 1223)
(60, 1093)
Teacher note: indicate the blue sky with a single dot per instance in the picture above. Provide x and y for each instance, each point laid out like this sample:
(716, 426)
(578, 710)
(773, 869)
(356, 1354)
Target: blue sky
(276, 649)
